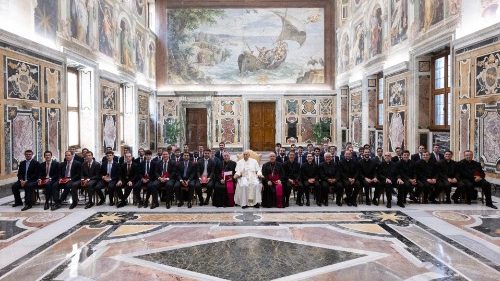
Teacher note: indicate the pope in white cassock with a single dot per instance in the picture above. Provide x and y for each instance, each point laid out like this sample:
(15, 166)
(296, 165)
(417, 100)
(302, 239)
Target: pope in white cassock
(249, 188)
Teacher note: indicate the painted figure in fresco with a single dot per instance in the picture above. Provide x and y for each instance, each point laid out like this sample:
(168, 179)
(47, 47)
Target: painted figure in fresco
(139, 5)
(345, 53)
(359, 44)
(80, 20)
(429, 8)
(106, 34)
(126, 46)
(152, 61)
(139, 52)
(109, 131)
(376, 32)
(398, 20)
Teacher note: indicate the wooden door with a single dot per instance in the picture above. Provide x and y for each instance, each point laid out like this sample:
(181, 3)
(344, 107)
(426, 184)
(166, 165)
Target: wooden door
(196, 128)
(262, 125)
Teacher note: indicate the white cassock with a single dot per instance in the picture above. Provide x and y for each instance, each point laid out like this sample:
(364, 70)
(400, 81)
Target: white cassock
(248, 190)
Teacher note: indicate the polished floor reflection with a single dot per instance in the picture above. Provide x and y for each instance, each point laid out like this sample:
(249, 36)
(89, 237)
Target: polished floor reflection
(445, 242)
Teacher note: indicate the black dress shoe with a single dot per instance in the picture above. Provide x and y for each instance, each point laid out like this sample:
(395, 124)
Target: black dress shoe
(389, 205)
(448, 201)
(89, 205)
(401, 205)
(55, 207)
(189, 204)
(354, 204)
(244, 207)
(46, 206)
(348, 204)
(491, 206)
(72, 206)
(154, 205)
(257, 205)
(375, 202)
(326, 204)
(368, 202)
(27, 207)
(168, 205)
(121, 204)
(111, 203)
(101, 201)
(180, 204)
(17, 204)
(308, 204)
(339, 204)
(145, 205)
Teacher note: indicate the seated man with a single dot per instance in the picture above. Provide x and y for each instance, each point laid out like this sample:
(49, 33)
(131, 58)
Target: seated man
(165, 179)
(126, 150)
(184, 186)
(329, 175)
(292, 173)
(104, 159)
(225, 186)
(248, 190)
(49, 175)
(427, 178)
(349, 173)
(274, 176)
(447, 175)
(206, 176)
(146, 175)
(91, 174)
(406, 177)
(110, 174)
(472, 175)
(309, 174)
(129, 176)
(27, 177)
(70, 172)
(368, 176)
(387, 176)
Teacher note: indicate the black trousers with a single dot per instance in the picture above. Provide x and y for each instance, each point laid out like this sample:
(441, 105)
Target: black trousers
(180, 192)
(111, 186)
(91, 186)
(367, 186)
(323, 191)
(29, 192)
(198, 186)
(351, 190)
(446, 187)
(71, 186)
(467, 187)
(139, 185)
(304, 189)
(167, 187)
(427, 189)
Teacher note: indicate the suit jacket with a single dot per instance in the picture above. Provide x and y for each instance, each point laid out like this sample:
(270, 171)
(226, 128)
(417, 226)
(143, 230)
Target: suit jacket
(292, 170)
(219, 155)
(170, 169)
(378, 160)
(121, 160)
(138, 159)
(433, 157)
(105, 159)
(115, 170)
(132, 175)
(396, 158)
(143, 172)
(53, 170)
(349, 169)
(426, 170)
(190, 173)
(405, 170)
(447, 169)
(308, 171)
(468, 169)
(354, 155)
(329, 170)
(387, 170)
(368, 168)
(303, 156)
(321, 160)
(75, 170)
(416, 157)
(211, 168)
(92, 173)
(281, 159)
(32, 170)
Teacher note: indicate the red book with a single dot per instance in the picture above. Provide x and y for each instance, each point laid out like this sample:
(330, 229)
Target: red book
(477, 174)
(165, 175)
(43, 182)
(64, 180)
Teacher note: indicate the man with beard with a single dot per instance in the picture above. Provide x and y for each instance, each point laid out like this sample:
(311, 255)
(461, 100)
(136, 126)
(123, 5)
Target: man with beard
(406, 177)
(368, 176)
(427, 178)
(309, 176)
(292, 171)
(448, 175)
(387, 176)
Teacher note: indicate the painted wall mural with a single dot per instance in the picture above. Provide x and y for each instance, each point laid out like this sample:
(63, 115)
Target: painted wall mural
(355, 117)
(126, 45)
(396, 130)
(107, 28)
(109, 98)
(399, 21)
(488, 74)
(53, 130)
(110, 123)
(397, 93)
(245, 46)
(23, 80)
(430, 13)
(140, 51)
(109, 131)
(83, 13)
(46, 15)
(359, 43)
(376, 31)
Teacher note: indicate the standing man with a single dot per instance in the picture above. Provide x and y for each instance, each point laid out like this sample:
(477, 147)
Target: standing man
(27, 177)
(91, 174)
(206, 176)
(141, 156)
(49, 175)
(398, 156)
(471, 175)
(248, 190)
(220, 153)
(436, 155)
(419, 155)
(281, 157)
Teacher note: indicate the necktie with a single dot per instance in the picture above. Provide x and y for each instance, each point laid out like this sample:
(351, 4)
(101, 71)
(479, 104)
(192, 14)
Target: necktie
(47, 169)
(164, 166)
(317, 160)
(128, 168)
(90, 166)
(26, 172)
(147, 167)
(437, 156)
(68, 169)
(185, 169)
(300, 159)
(205, 172)
(142, 160)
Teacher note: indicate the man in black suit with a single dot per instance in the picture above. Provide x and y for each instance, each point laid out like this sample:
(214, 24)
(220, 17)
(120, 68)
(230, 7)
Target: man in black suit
(292, 172)
(448, 175)
(471, 175)
(387, 176)
(126, 150)
(349, 171)
(406, 177)
(348, 146)
(310, 179)
(379, 158)
(399, 155)
(157, 157)
(91, 174)
(436, 155)
(427, 178)
(418, 156)
(301, 156)
(368, 177)
(146, 175)
(110, 174)
(186, 174)
(75, 156)
(281, 157)
(165, 179)
(27, 177)
(329, 175)
(105, 159)
(177, 157)
(70, 172)
(317, 157)
(49, 175)
(220, 153)
(221, 197)
(141, 156)
(206, 175)
(129, 176)
(186, 149)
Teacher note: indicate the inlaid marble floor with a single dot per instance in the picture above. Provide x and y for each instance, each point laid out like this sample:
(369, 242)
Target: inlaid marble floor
(432, 242)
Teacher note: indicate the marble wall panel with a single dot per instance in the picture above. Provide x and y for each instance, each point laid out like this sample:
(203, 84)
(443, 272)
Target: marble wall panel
(424, 95)
(228, 130)
(430, 13)
(397, 93)
(109, 97)
(307, 129)
(227, 121)
(309, 107)
(488, 74)
(344, 107)
(144, 120)
(464, 127)
(23, 80)
(52, 85)
(110, 131)
(488, 142)
(53, 130)
(372, 107)
(396, 130)
(464, 78)
(398, 25)
(355, 114)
